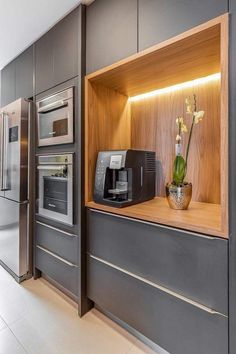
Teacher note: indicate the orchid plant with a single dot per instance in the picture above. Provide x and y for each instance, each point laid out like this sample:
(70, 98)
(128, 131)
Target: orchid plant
(181, 163)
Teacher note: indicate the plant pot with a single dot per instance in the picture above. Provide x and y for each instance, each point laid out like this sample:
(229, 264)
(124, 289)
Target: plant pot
(179, 197)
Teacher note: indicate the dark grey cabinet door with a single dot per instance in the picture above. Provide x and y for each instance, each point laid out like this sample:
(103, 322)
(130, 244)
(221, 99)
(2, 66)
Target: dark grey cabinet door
(193, 266)
(8, 91)
(57, 53)
(162, 19)
(65, 44)
(57, 269)
(24, 74)
(176, 325)
(62, 243)
(44, 62)
(111, 32)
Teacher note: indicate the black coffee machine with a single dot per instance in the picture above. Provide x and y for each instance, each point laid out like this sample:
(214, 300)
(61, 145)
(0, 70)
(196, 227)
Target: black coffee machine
(124, 177)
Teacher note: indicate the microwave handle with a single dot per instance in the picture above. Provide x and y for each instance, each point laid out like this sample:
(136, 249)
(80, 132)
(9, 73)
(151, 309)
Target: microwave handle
(49, 107)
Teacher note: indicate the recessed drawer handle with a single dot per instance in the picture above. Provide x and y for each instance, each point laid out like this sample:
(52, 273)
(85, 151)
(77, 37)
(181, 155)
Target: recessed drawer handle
(56, 256)
(160, 287)
(151, 224)
(55, 229)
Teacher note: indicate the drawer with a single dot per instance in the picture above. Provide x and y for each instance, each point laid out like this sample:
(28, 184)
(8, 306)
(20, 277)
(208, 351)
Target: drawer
(60, 270)
(189, 264)
(178, 326)
(63, 243)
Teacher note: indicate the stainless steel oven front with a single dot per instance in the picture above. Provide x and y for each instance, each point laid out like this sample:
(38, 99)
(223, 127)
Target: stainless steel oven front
(55, 116)
(55, 192)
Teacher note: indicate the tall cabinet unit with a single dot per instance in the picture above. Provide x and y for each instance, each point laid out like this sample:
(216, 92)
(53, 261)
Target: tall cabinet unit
(160, 271)
(53, 64)
(60, 65)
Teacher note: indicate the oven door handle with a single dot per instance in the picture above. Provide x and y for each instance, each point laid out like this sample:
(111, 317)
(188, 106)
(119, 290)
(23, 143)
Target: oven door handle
(51, 167)
(49, 107)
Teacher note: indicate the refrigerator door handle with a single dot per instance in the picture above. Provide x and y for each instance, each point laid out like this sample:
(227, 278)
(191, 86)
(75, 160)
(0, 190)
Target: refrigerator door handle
(4, 153)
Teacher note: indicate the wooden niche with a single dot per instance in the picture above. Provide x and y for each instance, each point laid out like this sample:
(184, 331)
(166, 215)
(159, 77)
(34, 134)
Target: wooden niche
(117, 117)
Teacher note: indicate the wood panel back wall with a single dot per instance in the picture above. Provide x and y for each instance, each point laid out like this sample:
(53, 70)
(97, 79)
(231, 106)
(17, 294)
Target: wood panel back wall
(109, 127)
(153, 127)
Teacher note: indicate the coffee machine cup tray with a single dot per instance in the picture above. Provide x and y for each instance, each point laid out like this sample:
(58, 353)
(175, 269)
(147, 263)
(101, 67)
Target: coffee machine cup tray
(117, 191)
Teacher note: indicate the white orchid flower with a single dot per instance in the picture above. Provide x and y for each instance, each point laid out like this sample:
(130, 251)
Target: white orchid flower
(198, 116)
(178, 137)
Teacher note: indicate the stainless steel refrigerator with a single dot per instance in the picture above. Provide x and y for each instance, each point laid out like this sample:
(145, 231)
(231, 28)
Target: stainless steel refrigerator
(14, 188)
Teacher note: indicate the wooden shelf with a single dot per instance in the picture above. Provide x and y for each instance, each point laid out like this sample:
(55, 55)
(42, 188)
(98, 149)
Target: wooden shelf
(200, 217)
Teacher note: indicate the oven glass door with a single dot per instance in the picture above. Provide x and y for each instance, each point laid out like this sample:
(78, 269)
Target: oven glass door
(55, 192)
(55, 196)
(55, 119)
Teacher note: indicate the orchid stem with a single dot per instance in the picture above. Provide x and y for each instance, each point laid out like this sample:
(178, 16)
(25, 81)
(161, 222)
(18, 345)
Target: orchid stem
(191, 130)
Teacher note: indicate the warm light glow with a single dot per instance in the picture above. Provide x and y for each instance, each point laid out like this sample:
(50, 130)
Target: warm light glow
(187, 84)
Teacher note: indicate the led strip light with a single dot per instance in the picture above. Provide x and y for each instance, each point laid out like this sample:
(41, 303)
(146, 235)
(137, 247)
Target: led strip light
(187, 84)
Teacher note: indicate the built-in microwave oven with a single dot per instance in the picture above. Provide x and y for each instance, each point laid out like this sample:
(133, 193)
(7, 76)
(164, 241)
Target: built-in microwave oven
(55, 116)
(55, 191)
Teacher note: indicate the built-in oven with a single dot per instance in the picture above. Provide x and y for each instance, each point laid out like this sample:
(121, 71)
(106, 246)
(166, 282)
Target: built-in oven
(55, 115)
(55, 191)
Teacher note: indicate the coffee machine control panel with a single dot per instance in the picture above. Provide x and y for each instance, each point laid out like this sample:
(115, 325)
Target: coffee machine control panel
(116, 162)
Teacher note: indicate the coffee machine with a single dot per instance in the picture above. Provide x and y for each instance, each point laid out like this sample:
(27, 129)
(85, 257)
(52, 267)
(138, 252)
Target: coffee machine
(124, 177)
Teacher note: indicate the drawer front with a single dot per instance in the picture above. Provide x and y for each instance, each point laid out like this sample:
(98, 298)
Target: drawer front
(193, 266)
(62, 243)
(175, 325)
(63, 273)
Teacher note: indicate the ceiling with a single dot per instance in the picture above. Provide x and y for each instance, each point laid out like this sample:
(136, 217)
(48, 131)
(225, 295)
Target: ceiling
(23, 22)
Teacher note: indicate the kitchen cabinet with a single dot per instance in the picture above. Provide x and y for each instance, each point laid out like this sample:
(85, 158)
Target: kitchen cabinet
(44, 62)
(180, 261)
(160, 20)
(8, 89)
(56, 255)
(63, 243)
(17, 78)
(24, 65)
(58, 269)
(153, 273)
(65, 45)
(57, 52)
(111, 32)
(177, 325)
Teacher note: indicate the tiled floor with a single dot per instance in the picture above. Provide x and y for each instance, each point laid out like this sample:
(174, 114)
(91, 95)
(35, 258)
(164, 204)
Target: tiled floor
(35, 319)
